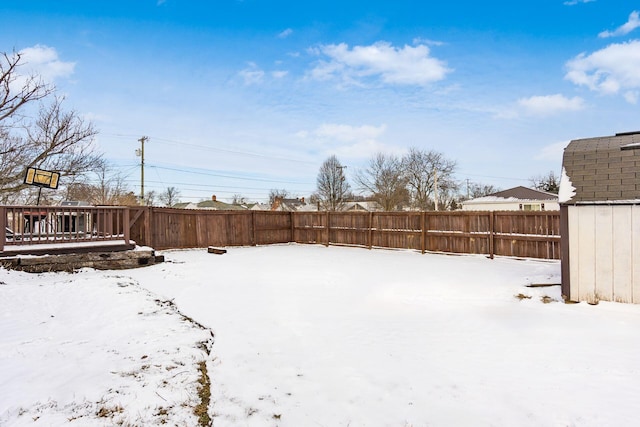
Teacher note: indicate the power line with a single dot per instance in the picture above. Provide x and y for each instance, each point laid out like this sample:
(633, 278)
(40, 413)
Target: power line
(493, 177)
(204, 185)
(220, 150)
(228, 176)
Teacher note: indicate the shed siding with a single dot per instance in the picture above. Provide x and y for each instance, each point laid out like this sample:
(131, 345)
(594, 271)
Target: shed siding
(623, 255)
(605, 242)
(604, 252)
(635, 253)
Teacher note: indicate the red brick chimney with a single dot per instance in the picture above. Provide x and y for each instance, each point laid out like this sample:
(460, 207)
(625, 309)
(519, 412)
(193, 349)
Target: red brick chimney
(213, 198)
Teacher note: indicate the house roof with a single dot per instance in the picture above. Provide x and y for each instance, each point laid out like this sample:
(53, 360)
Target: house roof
(209, 204)
(603, 168)
(221, 206)
(368, 206)
(514, 194)
(525, 193)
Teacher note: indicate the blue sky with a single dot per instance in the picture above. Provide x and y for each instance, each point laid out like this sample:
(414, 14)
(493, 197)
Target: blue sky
(241, 96)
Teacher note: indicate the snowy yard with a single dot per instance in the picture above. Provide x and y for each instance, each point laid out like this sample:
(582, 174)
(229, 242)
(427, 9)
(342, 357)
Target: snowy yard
(314, 336)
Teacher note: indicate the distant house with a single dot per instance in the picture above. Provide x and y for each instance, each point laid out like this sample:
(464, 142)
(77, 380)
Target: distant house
(288, 205)
(600, 219)
(212, 204)
(514, 199)
(362, 207)
(260, 207)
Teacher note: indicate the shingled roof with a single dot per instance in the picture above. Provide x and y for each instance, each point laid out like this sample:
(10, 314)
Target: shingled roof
(524, 193)
(604, 169)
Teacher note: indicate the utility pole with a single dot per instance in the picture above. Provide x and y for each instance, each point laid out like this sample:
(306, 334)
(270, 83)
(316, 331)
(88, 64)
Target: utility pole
(140, 153)
(468, 193)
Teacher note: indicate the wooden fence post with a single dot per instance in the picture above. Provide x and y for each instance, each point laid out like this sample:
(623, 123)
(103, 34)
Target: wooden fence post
(253, 228)
(423, 214)
(148, 240)
(491, 233)
(328, 230)
(293, 229)
(370, 229)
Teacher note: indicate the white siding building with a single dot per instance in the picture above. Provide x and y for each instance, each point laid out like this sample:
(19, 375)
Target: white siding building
(514, 199)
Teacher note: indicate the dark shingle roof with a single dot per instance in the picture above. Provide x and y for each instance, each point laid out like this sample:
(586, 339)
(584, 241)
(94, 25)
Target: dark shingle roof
(525, 193)
(604, 168)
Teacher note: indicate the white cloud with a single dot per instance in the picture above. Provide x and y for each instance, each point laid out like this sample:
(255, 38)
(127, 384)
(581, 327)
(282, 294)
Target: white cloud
(428, 42)
(624, 29)
(632, 96)
(403, 66)
(347, 133)
(575, 2)
(279, 74)
(44, 61)
(553, 152)
(611, 70)
(550, 104)
(286, 33)
(352, 142)
(252, 74)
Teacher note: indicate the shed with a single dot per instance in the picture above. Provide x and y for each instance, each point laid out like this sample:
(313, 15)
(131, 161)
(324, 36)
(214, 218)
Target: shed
(514, 199)
(600, 219)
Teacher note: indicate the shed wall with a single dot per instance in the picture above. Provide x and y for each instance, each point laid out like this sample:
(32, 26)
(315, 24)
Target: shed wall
(605, 243)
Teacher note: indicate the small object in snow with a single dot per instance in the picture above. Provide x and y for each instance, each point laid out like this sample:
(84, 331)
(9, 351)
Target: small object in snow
(216, 251)
(542, 285)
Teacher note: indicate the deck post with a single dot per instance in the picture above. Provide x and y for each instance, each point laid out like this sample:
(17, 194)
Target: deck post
(126, 225)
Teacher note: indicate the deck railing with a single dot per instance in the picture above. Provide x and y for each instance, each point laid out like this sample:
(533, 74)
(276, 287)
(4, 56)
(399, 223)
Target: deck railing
(40, 225)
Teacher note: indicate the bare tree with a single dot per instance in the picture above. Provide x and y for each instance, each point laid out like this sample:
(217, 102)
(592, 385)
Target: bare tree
(170, 196)
(238, 199)
(150, 198)
(274, 194)
(54, 139)
(476, 189)
(102, 187)
(385, 180)
(422, 169)
(448, 193)
(549, 182)
(332, 185)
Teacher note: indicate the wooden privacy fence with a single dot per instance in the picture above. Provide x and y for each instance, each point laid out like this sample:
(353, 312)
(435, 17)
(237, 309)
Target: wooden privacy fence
(515, 234)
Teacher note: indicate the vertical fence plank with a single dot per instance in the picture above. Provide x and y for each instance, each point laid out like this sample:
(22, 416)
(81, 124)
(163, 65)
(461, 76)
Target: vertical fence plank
(253, 228)
(328, 229)
(293, 230)
(492, 233)
(422, 232)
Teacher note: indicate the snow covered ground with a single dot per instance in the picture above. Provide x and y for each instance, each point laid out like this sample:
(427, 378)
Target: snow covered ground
(314, 336)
